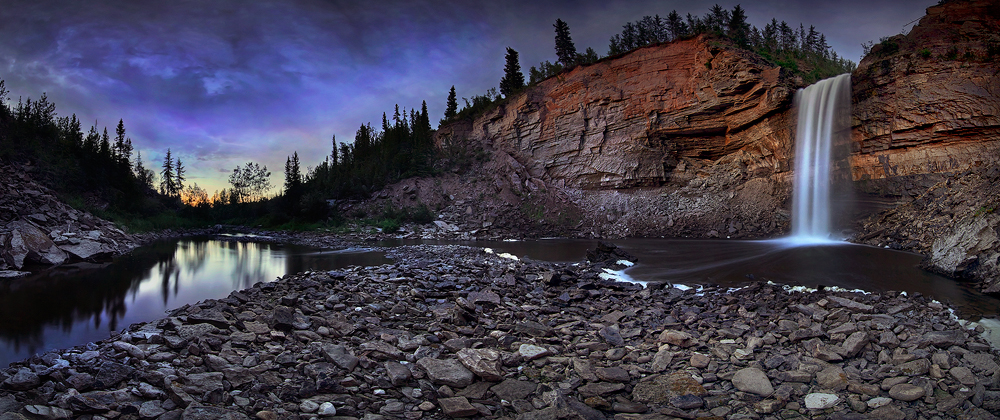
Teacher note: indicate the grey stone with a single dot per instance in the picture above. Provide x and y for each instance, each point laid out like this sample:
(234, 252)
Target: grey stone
(832, 378)
(532, 352)
(23, 380)
(943, 339)
(612, 335)
(855, 343)
(112, 373)
(687, 401)
(398, 374)
(87, 250)
(887, 412)
(512, 389)
(201, 412)
(151, 410)
(983, 362)
(599, 388)
(457, 407)
(963, 375)
(446, 372)
(914, 367)
(339, 355)
(30, 243)
(47, 412)
(483, 362)
(906, 392)
(662, 360)
(821, 401)
(533, 328)
(612, 374)
(187, 332)
(754, 381)
(677, 338)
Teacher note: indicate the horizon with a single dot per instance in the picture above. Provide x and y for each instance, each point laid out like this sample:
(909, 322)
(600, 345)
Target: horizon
(232, 82)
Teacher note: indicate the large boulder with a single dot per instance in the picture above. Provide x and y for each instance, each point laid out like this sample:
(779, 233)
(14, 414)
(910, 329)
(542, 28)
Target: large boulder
(29, 243)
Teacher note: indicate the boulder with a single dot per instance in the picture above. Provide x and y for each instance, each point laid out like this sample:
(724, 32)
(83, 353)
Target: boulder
(29, 243)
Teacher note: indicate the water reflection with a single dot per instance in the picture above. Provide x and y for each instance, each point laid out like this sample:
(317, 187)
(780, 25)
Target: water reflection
(734, 263)
(79, 303)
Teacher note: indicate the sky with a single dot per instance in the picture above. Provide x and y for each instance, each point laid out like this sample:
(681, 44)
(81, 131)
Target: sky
(223, 82)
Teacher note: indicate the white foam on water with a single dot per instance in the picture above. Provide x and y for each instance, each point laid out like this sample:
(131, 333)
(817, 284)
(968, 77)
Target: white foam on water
(619, 275)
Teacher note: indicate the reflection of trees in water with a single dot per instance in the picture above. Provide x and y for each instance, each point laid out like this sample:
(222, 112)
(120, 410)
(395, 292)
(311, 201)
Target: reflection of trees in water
(74, 293)
(252, 263)
(92, 297)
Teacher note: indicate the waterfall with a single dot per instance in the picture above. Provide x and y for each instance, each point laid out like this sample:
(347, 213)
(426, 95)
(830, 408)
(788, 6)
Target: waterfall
(823, 124)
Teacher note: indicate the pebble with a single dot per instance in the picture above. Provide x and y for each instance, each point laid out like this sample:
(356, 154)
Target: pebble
(450, 331)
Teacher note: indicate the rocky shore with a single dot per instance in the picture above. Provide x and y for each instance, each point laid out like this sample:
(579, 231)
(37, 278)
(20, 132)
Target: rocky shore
(37, 228)
(452, 331)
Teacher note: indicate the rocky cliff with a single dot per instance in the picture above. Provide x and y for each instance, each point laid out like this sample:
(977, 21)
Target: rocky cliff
(927, 131)
(37, 228)
(687, 138)
(927, 102)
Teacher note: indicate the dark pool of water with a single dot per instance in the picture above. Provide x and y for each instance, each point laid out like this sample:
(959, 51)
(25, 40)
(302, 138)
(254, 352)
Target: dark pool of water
(734, 263)
(80, 303)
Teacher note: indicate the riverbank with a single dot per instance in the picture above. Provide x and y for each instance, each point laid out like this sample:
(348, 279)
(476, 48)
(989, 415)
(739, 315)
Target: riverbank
(451, 331)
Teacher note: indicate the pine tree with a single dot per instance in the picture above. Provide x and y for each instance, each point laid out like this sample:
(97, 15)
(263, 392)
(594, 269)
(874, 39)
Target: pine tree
(105, 148)
(179, 176)
(120, 140)
(513, 79)
(452, 108)
(565, 49)
(293, 176)
(167, 186)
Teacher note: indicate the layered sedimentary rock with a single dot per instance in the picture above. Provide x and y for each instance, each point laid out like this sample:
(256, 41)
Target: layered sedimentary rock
(686, 138)
(927, 102)
(629, 121)
(927, 130)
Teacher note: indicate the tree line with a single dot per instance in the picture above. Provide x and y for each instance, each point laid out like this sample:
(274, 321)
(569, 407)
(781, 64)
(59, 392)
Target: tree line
(94, 166)
(803, 51)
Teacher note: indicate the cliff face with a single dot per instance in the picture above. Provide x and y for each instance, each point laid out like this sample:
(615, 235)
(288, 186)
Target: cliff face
(927, 102)
(628, 122)
(927, 130)
(687, 138)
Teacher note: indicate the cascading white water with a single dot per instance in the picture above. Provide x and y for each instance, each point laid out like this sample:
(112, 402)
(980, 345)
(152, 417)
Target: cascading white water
(822, 109)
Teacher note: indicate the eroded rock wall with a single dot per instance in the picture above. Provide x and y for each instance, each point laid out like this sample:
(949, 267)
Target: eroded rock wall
(927, 102)
(927, 131)
(690, 138)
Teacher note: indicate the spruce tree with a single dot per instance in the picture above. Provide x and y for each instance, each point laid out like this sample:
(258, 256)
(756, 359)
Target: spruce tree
(179, 177)
(565, 49)
(452, 108)
(120, 140)
(167, 186)
(513, 79)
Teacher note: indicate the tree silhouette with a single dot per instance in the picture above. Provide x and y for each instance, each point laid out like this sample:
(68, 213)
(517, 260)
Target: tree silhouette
(452, 107)
(168, 185)
(513, 79)
(565, 49)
